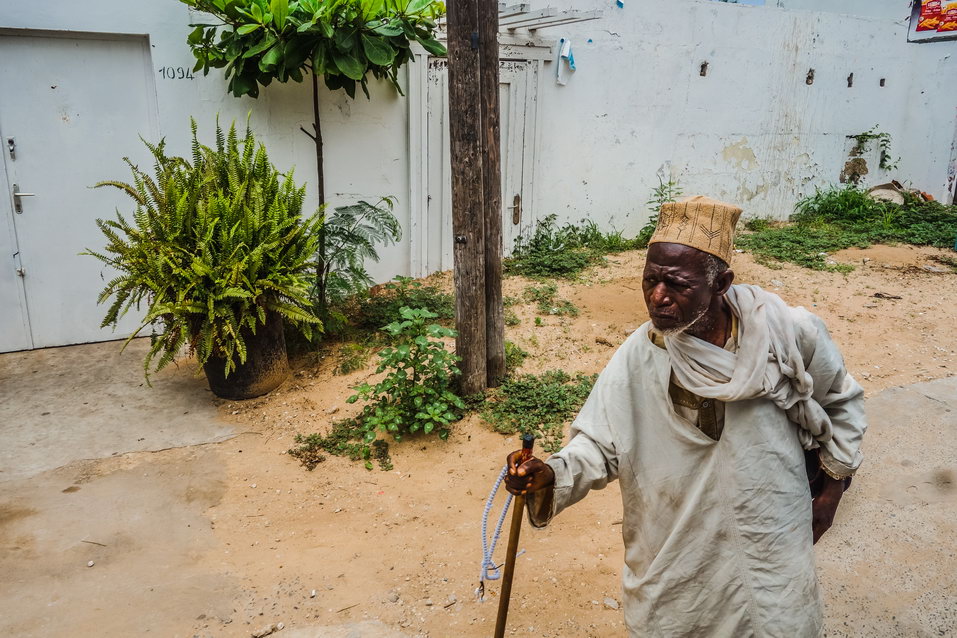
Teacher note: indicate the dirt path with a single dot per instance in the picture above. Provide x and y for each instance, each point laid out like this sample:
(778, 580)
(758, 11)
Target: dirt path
(344, 545)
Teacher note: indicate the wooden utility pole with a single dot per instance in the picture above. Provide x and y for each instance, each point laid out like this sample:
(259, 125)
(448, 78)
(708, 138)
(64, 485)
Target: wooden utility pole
(468, 213)
(492, 186)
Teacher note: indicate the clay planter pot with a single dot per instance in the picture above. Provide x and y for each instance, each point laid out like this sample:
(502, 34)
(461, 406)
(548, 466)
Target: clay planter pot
(265, 369)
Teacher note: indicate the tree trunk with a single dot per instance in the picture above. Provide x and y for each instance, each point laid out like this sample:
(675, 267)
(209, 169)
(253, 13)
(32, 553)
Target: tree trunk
(468, 227)
(492, 186)
(321, 186)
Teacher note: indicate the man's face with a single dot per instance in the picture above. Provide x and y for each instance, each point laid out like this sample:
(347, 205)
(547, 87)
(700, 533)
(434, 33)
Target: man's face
(675, 286)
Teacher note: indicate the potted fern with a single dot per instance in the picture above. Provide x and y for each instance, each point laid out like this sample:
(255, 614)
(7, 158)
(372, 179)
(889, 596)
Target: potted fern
(219, 252)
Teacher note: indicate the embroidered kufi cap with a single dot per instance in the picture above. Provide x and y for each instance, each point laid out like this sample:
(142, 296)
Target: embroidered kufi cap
(699, 222)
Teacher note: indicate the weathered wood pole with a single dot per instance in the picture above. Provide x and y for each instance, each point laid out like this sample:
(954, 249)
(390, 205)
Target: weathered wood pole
(468, 219)
(492, 186)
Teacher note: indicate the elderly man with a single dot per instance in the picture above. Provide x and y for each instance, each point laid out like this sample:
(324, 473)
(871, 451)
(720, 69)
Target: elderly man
(715, 417)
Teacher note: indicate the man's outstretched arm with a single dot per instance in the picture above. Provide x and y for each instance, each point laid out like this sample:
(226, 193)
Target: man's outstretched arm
(588, 462)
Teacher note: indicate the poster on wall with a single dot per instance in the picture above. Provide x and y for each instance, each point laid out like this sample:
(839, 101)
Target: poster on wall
(933, 21)
(948, 18)
(929, 15)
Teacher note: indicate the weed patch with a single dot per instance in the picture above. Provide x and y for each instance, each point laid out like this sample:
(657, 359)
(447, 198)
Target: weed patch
(950, 262)
(545, 297)
(538, 405)
(563, 251)
(540, 294)
(371, 311)
(346, 438)
(665, 192)
(514, 357)
(806, 247)
(758, 224)
(352, 357)
(842, 218)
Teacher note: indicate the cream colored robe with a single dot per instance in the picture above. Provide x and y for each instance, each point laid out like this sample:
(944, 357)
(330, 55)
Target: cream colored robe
(717, 534)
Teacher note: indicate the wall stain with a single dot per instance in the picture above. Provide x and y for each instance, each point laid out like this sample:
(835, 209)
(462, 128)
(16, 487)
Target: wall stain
(854, 171)
(740, 154)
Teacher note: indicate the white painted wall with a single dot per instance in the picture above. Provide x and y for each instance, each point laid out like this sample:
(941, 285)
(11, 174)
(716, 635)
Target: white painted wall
(751, 132)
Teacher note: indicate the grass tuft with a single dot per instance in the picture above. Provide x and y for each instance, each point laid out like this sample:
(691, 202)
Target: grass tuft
(538, 404)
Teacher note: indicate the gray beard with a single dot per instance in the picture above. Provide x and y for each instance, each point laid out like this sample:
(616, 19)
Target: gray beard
(677, 330)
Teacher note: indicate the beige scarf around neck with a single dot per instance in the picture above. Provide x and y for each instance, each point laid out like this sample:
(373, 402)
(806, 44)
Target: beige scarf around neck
(768, 363)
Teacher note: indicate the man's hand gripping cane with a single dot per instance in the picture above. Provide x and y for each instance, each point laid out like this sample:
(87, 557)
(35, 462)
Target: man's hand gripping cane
(527, 474)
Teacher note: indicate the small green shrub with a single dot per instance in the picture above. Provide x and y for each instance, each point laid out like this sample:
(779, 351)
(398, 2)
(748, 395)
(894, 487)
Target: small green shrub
(511, 319)
(372, 311)
(415, 395)
(538, 404)
(514, 357)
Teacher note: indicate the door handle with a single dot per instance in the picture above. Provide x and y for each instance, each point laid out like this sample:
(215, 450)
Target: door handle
(17, 204)
(516, 209)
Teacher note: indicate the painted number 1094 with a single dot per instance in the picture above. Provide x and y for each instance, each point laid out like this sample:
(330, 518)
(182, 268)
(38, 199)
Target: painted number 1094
(176, 73)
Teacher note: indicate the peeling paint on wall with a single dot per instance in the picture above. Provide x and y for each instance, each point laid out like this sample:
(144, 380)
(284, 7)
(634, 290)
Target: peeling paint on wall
(740, 154)
(745, 194)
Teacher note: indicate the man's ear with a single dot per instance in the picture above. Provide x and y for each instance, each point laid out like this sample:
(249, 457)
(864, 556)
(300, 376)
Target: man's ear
(723, 281)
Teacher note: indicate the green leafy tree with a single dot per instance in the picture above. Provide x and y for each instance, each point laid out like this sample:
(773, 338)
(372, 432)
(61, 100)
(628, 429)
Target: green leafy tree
(342, 41)
(214, 245)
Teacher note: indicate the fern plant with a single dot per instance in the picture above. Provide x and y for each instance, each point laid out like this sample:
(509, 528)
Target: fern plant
(352, 233)
(215, 244)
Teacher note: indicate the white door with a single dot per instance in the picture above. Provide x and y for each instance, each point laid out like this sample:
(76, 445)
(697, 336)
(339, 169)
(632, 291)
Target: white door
(516, 92)
(70, 109)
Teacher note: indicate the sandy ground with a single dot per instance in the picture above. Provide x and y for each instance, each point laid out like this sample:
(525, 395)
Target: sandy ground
(226, 538)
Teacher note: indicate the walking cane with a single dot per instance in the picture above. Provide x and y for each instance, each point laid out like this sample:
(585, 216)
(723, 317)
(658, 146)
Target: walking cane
(513, 531)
